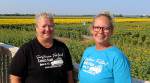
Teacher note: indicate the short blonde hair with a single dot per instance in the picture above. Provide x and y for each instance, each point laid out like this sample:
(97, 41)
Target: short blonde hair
(105, 14)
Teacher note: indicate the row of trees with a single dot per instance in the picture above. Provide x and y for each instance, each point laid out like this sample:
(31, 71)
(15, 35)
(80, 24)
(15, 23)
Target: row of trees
(115, 15)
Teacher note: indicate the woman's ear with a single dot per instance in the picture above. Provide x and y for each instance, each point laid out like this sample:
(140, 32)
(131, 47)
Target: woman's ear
(36, 27)
(112, 31)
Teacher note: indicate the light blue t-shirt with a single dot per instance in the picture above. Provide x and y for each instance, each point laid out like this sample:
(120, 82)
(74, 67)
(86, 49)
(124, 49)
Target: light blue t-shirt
(104, 66)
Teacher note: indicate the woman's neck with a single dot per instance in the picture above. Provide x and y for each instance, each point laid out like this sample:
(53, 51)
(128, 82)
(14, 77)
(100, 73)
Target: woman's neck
(103, 46)
(47, 43)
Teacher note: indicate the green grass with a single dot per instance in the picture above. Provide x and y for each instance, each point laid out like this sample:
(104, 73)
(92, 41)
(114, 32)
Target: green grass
(131, 37)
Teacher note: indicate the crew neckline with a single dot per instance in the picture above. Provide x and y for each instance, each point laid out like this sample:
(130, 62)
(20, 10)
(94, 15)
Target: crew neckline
(43, 46)
(105, 48)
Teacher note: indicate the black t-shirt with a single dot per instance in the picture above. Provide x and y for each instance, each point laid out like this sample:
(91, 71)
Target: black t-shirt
(36, 64)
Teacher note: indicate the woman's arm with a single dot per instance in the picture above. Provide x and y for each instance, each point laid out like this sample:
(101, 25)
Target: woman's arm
(15, 79)
(121, 70)
(70, 77)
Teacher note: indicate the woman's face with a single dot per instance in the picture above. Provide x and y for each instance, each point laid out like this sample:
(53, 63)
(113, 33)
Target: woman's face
(45, 28)
(101, 30)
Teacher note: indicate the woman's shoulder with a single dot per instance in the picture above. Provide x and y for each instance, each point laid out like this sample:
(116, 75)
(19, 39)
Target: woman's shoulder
(116, 52)
(56, 41)
(59, 43)
(89, 49)
(28, 44)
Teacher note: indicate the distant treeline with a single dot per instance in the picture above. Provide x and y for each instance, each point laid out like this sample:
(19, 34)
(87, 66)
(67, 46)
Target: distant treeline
(16, 14)
(54, 15)
(114, 15)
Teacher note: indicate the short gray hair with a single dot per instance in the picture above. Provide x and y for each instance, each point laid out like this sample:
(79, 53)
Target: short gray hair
(107, 15)
(44, 15)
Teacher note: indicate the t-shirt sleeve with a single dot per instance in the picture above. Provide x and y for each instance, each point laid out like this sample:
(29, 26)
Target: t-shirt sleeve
(18, 63)
(69, 65)
(85, 54)
(121, 69)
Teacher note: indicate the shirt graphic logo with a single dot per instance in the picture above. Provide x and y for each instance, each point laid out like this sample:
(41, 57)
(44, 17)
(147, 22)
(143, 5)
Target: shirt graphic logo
(50, 61)
(93, 66)
(57, 62)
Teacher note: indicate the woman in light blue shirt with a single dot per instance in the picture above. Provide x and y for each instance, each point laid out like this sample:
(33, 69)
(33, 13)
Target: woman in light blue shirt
(104, 62)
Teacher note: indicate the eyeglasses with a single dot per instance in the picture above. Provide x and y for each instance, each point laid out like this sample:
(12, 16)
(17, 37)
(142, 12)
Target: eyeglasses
(50, 26)
(98, 28)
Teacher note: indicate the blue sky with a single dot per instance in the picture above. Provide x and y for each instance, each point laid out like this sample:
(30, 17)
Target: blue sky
(76, 7)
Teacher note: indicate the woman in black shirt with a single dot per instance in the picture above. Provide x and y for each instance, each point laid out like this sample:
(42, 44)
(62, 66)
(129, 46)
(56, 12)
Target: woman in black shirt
(43, 59)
